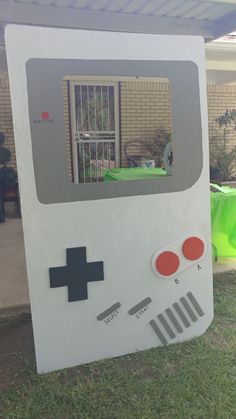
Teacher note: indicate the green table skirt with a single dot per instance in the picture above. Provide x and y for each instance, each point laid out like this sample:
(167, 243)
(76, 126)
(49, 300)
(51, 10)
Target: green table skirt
(223, 221)
(133, 173)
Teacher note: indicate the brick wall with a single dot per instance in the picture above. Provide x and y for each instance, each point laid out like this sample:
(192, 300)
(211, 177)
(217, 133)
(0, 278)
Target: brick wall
(6, 117)
(144, 106)
(141, 114)
(220, 98)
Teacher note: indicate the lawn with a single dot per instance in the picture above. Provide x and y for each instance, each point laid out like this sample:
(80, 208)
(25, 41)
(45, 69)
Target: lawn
(195, 380)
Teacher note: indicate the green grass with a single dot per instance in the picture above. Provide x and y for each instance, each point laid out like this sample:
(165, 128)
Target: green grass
(194, 380)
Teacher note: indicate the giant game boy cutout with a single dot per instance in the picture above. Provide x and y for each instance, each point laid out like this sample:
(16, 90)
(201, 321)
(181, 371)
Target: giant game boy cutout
(113, 267)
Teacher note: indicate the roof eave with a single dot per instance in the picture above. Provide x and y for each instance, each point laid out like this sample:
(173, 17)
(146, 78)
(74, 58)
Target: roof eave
(30, 14)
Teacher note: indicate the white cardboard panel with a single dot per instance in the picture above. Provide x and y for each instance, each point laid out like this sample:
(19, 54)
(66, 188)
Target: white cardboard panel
(122, 232)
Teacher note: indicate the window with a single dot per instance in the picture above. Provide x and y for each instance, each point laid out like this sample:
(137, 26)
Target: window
(95, 133)
(120, 130)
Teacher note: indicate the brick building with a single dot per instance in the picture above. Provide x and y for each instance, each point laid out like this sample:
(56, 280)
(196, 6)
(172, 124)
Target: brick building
(140, 106)
(143, 107)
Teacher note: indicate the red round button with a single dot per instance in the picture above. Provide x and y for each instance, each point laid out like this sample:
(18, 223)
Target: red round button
(167, 263)
(193, 248)
(44, 115)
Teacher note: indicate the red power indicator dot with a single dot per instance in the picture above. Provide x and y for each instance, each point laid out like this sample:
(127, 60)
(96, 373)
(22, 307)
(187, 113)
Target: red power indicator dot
(193, 248)
(44, 115)
(167, 263)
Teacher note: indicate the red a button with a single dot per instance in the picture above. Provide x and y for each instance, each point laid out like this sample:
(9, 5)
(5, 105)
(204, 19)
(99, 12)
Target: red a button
(193, 248)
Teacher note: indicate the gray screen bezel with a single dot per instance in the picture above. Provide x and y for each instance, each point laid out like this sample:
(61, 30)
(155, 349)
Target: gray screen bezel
(44, 82)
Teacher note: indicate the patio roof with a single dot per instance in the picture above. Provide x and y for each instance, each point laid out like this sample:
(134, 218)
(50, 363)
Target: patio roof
(208, 18)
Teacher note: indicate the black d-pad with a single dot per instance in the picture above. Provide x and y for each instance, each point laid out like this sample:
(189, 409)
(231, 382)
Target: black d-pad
(76, 274)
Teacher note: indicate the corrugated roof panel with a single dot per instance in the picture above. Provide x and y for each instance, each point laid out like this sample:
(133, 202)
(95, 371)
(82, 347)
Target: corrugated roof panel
(208, 18)
(46, 2)
(62, 3)
(151, 6)
(216, 11)
(133, 6)
(80, 4)
(197, 10)
(25, 1)
(189, 9)
(116, 5)
(98, 4)
(184, 8)
(168, 6)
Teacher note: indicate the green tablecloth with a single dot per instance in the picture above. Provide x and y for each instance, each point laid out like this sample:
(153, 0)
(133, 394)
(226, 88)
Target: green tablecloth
(133, 173)
(223, 221)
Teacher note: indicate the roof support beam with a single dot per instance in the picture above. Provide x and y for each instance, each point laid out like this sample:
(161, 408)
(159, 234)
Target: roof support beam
(225, 25)
(23, 13)
(220, 65)
(221, 77)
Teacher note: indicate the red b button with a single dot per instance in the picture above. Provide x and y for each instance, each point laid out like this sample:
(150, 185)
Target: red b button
(167, 263)
(193, 248)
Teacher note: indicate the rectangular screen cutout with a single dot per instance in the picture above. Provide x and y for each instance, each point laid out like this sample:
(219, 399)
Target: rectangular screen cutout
(118, 129)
